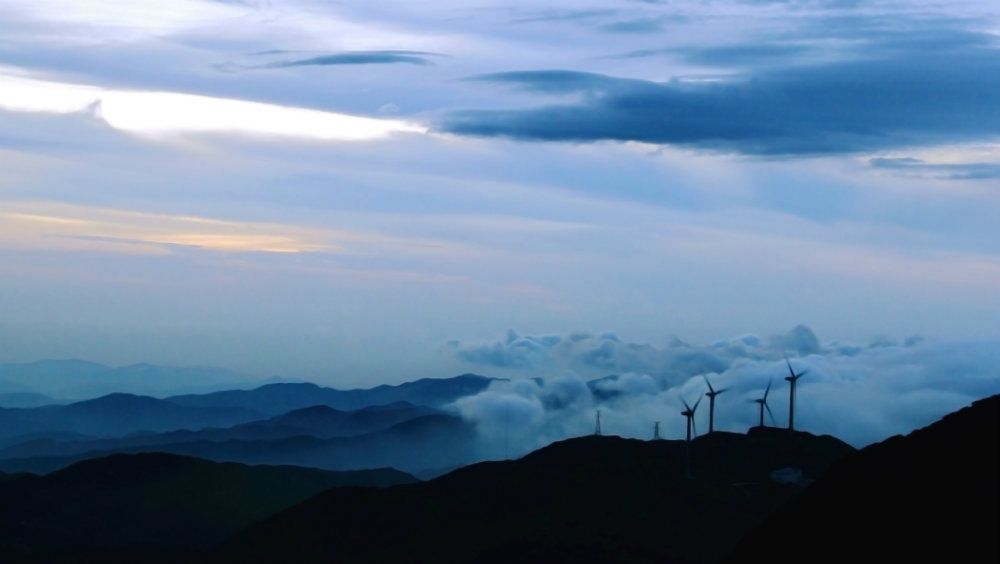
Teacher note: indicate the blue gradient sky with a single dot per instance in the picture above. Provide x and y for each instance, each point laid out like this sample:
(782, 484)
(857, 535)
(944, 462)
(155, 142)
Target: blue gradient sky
(357, 193)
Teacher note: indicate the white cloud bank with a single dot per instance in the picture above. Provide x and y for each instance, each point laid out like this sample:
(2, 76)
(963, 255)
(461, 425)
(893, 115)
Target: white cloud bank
(860, 394)
(164, 114)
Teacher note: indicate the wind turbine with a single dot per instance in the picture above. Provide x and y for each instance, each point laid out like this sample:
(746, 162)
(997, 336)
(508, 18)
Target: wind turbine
(792, 379)
(689, 414)
(711, 393)
(763, 404)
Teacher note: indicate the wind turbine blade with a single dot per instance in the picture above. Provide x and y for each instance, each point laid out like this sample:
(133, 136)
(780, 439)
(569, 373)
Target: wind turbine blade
(694, 428)
(686, 406)
(721, 390)
(790, 371)
(696, 405)
(770, 413)
(709, 384)
(767, 389)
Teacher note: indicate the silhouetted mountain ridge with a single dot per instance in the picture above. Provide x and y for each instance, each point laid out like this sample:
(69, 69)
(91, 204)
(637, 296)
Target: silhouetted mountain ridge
(933, 495)
(276, 399)
(595, 499)
(162, 499)
(590, 499)
(118, 414)
(436, 440)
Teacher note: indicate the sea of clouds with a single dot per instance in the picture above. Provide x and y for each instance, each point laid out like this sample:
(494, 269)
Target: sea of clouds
(860, 394)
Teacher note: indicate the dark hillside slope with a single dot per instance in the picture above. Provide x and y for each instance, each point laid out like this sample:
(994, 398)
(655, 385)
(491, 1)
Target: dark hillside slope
(929, 496)
(591, 499)
(154, 498)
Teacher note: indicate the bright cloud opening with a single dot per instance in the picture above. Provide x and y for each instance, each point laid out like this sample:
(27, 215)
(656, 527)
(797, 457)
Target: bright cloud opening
(159, 114)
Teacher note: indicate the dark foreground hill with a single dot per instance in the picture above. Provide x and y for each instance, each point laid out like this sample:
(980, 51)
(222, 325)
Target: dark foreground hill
(591, 499)
(929, 496)
(175, 503)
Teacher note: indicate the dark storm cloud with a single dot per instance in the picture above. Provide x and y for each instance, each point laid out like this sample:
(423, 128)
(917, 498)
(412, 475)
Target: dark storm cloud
(837, 107)
(917, 167)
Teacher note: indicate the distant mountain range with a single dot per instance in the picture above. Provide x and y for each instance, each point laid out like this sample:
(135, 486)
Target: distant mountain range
(300, 424)
(117, 415)
(423, 445)
(317, 421)
(276, 399)
(768, 495)
(48, 382)
(62, 381)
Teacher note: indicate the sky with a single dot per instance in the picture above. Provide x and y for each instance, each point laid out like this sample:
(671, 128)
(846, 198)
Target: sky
(359, 193)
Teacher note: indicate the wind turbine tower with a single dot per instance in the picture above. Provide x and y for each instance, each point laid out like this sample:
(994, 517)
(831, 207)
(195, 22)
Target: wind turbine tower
(762, 401)
(711, 393)
(597, 424)
(689, 414)
(656, 430)
(792, 379)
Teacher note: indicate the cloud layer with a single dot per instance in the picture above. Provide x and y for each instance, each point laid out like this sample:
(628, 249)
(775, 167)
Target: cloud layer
(860, 394)
(836, 107)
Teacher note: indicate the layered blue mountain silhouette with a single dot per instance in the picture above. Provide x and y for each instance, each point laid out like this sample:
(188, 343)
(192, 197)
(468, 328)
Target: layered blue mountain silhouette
(281, 398)
(300, 424)
(590, 499)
